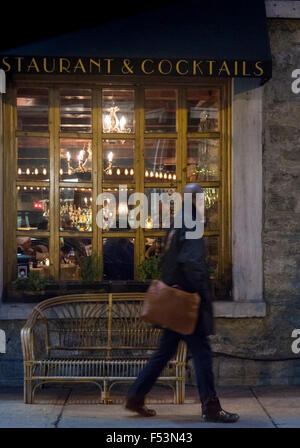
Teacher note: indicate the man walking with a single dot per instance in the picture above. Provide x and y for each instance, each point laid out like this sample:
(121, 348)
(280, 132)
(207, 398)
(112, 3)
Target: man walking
(184, 264)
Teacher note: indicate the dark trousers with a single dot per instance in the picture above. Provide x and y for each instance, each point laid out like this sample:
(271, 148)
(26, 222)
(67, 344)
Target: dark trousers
(200, 350)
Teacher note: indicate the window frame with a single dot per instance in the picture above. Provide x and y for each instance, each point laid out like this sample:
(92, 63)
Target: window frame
(54, 83)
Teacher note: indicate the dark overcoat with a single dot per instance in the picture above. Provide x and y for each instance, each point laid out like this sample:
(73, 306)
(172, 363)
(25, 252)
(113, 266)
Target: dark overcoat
(184, 264)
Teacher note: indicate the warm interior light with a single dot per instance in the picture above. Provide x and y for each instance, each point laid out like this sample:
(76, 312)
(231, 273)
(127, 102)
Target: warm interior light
(110, 156)
(19, 171)
(28, 171)
(68, 156)
(44, 171)
(36, 171)
(122, 123)
(118, 171)
(147, 173)
(126, 172)
(131, 172)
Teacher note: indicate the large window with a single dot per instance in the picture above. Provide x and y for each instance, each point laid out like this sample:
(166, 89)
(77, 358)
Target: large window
(65, 145)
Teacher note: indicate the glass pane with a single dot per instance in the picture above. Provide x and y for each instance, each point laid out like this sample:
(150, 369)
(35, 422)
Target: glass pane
(75, 160)
(160, 110)
(76, 209)
(118, 258)
(33, 208)
(118, 161)
(75, 110)
(117, 215)
(72, 251)
(32, 109)
(153, 246)
(203, 110)
(203, 160)
(212, 255)
(211, 216)
(33, 158)
(161, 209)
(160, 160)
(118, 110)
(32, 256)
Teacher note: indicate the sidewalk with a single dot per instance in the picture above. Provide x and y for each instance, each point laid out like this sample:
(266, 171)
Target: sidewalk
(78, 407)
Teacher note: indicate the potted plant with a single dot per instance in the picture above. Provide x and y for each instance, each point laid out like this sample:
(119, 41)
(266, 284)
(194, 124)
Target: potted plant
(150, 269)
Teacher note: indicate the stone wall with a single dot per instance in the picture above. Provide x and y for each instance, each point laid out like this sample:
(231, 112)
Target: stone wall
(270, 337)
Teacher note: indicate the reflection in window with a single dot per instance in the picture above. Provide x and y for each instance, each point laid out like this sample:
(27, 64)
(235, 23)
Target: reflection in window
(160, 160)
(75, 110)
(33, 158)
(211, 250)
(118, 258)
(118, 110)
(161, 207)
(211, 215)
(203, 110)
(32, 109)
(118, 161)
(160, 110)
(76, 209)
(75, 160)
(116, 214)
(72, 250)
(33, 208)
(32, 256)
(203, 160)
(153, 246)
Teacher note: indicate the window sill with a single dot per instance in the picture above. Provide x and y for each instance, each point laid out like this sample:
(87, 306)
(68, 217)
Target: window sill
(234, 310)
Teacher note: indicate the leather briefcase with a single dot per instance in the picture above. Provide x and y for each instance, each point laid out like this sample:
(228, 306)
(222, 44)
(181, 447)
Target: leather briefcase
(171, 307)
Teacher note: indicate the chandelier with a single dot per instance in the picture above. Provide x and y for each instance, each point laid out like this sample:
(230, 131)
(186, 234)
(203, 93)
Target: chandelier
(112, 123)
(84, 155)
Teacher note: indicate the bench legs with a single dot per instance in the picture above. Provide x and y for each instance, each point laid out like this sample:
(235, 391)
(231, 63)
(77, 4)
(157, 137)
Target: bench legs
(28, 395)
(105, 394)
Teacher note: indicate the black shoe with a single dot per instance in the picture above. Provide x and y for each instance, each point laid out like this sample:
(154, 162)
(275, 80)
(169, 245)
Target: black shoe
(139, 408)
(212, 412)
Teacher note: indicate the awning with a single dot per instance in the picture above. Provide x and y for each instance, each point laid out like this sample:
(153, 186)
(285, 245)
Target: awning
(188, 38)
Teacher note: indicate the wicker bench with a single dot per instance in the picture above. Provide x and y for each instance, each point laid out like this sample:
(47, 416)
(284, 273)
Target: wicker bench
(96, 338)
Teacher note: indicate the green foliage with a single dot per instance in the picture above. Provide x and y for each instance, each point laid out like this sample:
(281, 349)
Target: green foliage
(90, 268)
(34, 282)
(150, 269)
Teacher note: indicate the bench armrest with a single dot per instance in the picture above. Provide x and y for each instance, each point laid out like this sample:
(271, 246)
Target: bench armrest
(28, 336)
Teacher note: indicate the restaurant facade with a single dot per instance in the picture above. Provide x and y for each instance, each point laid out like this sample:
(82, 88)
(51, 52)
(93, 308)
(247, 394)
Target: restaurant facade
(148, 104)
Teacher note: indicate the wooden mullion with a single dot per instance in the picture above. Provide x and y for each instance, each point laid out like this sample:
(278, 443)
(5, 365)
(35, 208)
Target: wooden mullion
(139, 169)
(9, 192)
(198, 135)
(96, 97)
(181, 162)
(117, 136)
(76, 135)
(33, 183)
(98, 169)
(54, 124)
(161, 135)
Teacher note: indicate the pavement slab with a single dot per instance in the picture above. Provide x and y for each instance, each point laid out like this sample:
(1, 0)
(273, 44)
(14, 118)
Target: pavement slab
(79, 406)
